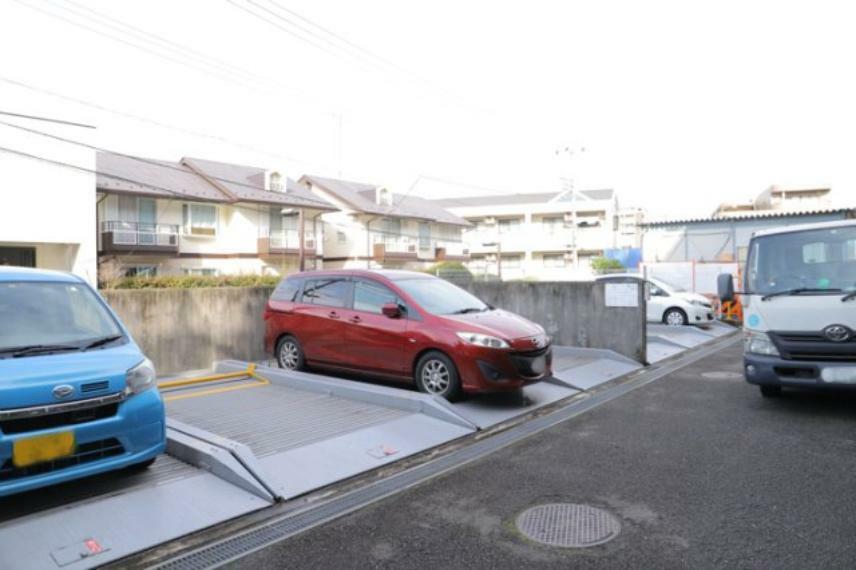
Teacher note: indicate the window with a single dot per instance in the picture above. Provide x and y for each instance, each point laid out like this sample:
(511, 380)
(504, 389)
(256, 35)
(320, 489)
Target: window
(553, 224)
(341, 237)
(554, 260)
(200, 271)
(327, 292)
(509, 225)
(511, 261)
(391, 226)
(200, 219)
(287, 290)
(371, 297)
(141, 271)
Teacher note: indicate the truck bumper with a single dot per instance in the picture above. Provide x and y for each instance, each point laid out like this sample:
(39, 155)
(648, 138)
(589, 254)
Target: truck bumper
(775, 371)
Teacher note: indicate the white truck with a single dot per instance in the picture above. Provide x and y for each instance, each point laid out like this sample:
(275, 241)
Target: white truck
(799, 306)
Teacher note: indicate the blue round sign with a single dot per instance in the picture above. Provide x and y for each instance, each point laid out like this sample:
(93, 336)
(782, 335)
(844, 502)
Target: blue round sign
(754, 320)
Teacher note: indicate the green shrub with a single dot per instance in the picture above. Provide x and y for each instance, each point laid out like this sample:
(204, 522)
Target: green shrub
(195, 281)
(605, 265)
(442, 267)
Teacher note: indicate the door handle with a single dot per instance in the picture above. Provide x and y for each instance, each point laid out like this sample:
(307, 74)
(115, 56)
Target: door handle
(356, 319)
(333, 315)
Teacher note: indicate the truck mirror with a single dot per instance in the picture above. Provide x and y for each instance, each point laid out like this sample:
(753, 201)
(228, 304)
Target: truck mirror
(725, 287)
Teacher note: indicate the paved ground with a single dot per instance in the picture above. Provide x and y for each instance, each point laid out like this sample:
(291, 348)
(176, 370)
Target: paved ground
(702, 472)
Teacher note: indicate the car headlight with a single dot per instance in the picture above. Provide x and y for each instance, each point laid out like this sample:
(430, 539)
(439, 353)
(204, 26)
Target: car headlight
(484, 340)
(140, 378)
(698, 303)
(759, 343)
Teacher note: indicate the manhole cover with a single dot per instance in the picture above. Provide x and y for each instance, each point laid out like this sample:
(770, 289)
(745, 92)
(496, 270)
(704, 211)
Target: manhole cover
(721, 375)
(568, 525)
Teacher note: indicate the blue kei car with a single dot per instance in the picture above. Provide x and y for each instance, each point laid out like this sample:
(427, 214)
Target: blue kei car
(77, 396)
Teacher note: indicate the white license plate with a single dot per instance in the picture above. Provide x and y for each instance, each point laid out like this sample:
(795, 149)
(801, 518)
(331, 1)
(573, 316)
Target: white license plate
(839, 375)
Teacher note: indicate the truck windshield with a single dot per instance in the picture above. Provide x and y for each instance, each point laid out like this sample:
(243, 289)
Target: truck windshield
(50, 317)
(812, 262)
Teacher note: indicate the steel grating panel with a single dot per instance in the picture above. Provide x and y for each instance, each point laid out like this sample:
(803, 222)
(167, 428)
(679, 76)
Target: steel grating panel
(280, 418)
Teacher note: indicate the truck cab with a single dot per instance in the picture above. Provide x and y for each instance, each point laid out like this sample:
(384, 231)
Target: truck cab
(799, 300)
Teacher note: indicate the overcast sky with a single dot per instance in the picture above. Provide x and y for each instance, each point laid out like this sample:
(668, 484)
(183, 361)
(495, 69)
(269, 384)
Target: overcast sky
(679, 105)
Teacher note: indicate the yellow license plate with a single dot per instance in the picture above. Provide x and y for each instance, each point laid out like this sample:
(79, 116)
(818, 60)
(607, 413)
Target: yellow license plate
(26, 452)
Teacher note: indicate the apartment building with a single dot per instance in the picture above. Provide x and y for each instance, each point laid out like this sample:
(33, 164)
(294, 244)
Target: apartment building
(549, 235)
(374, 228)
(48, 211)
(201, 217)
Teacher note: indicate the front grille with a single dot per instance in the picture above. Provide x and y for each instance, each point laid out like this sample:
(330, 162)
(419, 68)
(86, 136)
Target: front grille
(813, 346)
(94, 387)
(523, 361)
(69, 418)
(85, 453)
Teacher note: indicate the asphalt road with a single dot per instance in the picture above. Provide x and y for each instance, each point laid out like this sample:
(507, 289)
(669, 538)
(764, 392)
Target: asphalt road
(702, 473)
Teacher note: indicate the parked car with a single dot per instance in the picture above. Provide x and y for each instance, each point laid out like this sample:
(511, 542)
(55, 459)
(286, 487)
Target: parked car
(671, 304)
(405, 326)
(77, 396)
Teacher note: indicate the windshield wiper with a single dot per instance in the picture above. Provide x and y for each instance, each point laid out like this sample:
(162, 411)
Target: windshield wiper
(469, 310)
(102, 341)
(848, 296)
(797, 291)
(37, 349)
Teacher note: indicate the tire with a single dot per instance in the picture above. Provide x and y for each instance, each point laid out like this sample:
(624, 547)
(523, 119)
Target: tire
(436, 374)
(289, 354)
(770, 391)
(140, 467)
(675, 317)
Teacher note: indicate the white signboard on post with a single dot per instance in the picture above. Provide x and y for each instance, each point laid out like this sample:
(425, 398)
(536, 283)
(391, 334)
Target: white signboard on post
(622, 294)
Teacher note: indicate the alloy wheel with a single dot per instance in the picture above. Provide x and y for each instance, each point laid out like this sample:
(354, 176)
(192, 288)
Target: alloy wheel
(435, 377)
(289, 355)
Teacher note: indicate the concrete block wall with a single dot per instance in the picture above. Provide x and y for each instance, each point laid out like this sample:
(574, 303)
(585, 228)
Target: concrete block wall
(574, 313)
(188, 329)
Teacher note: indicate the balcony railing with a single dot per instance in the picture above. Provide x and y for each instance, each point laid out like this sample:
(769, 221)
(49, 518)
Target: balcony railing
(135, 236)
(393, 246)
(288, 241)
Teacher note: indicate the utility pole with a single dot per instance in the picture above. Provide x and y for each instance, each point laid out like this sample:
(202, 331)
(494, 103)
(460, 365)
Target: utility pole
(301, 225)
(566, 178)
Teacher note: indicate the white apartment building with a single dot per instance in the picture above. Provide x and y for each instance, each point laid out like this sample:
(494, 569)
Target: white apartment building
(200, 217)
(552, 235)
(374, 228)
(48, 211)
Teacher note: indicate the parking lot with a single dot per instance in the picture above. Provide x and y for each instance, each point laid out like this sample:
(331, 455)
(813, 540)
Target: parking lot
(250, 437)
(700, 471)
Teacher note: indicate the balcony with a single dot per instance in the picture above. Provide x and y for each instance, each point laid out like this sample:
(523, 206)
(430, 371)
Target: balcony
(392, 247)
(450, 251)
(287, 242)
(133, 237)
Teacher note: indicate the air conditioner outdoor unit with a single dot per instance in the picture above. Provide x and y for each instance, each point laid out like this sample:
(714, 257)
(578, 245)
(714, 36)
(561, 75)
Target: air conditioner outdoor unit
(569, 217)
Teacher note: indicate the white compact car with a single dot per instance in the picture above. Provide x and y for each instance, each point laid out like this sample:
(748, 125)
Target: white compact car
(671, 304)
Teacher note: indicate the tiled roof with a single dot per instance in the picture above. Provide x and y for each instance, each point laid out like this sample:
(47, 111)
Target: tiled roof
(361, 197)
(196, 179)
(525, 198)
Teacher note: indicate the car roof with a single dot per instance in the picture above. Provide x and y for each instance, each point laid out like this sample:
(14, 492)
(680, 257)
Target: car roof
(621, 276)
(391, 274)
(11, 273)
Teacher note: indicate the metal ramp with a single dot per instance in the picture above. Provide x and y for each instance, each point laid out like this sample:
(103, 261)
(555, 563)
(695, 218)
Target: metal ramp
(665, 341)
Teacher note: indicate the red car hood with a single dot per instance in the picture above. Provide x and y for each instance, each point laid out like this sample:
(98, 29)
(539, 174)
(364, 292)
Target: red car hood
(498, 323)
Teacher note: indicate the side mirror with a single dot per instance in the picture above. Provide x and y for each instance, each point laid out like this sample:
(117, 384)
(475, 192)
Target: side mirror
(391, 310)
(725, 287)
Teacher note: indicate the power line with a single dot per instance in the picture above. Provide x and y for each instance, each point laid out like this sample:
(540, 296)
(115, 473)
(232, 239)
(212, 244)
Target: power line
(146, 120)
(177, 194)
(128, 156)
(49, 120)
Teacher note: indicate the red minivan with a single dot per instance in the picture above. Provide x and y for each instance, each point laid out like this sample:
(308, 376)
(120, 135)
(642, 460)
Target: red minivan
(403, 326)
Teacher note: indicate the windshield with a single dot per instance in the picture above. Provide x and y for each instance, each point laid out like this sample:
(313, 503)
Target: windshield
(818, 261)
(37, 314)
(667, 286)
(441, 297)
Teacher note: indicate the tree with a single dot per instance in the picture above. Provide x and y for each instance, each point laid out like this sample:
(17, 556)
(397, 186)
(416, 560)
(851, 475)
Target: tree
(606, 265)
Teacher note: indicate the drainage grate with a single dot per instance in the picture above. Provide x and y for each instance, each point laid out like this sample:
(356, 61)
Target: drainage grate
(721, 375)
(568, 525)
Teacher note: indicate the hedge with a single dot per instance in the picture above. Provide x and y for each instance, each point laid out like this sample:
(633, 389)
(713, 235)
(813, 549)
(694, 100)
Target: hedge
(195, 281)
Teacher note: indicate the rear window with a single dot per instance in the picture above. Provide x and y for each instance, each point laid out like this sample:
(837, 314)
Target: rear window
(287, 290)
(327, 292)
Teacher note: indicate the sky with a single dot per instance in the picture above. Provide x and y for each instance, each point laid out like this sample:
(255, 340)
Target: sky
(679, 105)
